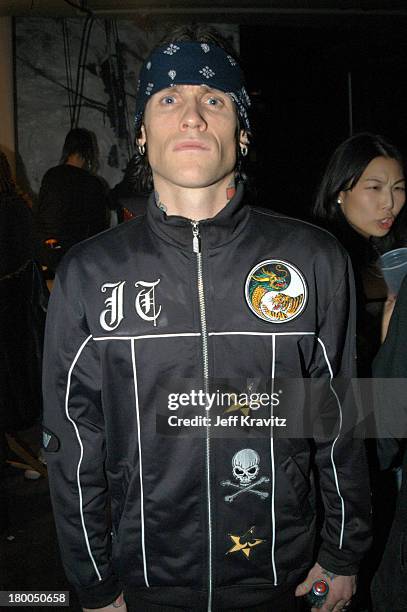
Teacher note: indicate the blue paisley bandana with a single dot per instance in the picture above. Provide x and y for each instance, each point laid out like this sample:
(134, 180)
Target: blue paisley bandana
(192, 63)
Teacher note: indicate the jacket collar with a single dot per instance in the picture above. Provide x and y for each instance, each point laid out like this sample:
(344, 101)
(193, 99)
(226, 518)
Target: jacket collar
(214, 232)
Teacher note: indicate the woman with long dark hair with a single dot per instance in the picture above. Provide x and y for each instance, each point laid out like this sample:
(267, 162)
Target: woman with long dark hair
(359, 199)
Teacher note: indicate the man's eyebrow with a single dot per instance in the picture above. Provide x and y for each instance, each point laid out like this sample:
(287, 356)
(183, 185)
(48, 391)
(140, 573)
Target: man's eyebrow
(179, 87)
(213, 89)
(169, 88)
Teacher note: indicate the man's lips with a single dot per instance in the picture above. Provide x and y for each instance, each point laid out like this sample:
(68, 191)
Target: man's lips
(191, 145)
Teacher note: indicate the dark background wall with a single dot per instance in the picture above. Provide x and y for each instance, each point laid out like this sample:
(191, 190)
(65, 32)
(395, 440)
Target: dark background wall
(301, 76)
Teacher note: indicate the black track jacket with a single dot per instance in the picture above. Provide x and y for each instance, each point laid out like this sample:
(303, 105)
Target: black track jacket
(202, 515)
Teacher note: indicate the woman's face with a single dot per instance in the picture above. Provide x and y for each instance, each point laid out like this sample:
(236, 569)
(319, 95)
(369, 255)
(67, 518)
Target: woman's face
(373, 204)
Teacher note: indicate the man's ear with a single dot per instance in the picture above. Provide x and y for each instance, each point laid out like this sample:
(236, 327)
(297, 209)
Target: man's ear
(143, 139)
(244, 138)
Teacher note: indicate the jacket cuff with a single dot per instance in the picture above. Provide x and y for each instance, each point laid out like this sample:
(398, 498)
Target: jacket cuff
(101, 594)
(340, 562)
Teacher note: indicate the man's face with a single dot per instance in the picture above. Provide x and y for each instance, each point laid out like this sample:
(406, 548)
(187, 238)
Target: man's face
(190, 132)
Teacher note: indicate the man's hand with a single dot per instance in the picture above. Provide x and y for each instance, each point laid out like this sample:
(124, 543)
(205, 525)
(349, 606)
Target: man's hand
(341, 589)
(118, 604)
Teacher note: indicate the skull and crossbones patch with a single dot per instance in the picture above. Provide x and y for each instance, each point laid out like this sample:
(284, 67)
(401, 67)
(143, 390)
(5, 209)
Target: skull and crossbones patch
(245, 468)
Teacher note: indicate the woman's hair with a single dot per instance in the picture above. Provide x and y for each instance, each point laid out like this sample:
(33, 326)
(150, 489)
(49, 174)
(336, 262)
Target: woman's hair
(139, 171)
(345, 168)
(81, 142)
(6, 182)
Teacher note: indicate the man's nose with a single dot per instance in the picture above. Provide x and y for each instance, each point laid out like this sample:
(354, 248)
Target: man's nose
(192, 117)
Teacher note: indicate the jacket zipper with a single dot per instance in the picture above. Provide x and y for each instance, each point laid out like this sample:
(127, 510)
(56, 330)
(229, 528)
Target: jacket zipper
(196, 244)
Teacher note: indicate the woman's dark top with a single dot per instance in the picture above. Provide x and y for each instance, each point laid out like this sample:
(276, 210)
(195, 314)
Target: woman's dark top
(389, 587)
(73, 205)
(370, 290)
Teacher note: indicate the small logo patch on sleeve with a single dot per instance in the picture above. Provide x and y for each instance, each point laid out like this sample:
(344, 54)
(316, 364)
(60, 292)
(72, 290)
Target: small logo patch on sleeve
(50, 441)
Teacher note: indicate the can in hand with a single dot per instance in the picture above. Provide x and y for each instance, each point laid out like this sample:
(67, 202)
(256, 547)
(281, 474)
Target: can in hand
(318, 593)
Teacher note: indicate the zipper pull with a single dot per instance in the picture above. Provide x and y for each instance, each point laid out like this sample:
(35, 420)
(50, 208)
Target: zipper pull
(196, 241)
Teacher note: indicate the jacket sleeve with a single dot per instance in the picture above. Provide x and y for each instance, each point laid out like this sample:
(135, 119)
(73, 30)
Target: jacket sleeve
(74, 442)
(339, 454)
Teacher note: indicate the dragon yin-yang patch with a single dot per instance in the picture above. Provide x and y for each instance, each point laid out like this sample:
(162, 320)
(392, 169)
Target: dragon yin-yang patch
(276, 291)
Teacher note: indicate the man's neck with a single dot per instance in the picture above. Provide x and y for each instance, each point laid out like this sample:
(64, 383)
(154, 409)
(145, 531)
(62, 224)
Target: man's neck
(197, 203)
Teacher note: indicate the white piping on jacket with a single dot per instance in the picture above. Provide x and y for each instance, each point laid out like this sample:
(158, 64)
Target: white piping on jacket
(143, 543)
(197, 334)
(334, 442)
(148, 336)
(243, 333)
(78, 479)
(273, 471)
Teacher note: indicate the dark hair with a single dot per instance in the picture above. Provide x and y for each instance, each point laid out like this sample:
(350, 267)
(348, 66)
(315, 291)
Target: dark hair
(139, 167)
(198, 32)
(345, 168)
(81, 142)
(6, 182)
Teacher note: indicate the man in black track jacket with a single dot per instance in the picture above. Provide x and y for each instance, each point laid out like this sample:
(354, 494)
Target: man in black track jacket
(182, 352)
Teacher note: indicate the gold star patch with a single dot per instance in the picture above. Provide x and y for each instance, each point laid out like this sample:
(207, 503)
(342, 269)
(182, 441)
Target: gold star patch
(244, 543)
(244, 408)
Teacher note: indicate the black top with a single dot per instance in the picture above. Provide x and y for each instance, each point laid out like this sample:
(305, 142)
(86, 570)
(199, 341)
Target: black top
(370, 291)
(127, 201)
(391, 361)
(73, 205)
(389, 587)
(16, 233)
(22, 305)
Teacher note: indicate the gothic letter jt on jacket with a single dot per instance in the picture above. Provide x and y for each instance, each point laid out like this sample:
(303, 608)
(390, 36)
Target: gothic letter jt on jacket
(152, 320)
